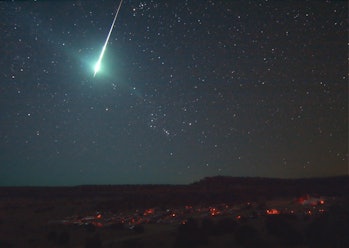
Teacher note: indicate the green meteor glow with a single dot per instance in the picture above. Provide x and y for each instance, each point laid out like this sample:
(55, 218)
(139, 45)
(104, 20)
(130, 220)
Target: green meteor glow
(98, 64)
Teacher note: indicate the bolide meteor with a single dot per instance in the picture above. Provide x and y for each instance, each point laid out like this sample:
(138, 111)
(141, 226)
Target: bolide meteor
(98, 64)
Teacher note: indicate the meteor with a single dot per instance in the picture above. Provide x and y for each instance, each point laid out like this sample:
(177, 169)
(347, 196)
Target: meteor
(98, 64)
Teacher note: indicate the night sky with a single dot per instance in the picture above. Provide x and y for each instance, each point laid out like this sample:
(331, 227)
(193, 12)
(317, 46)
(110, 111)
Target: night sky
(186, 90)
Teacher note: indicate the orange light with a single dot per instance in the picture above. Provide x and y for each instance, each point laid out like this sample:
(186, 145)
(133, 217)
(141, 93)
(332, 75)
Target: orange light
(273, 211)
(322, 202)
(238, 217)
(214, 212)
(149, 211)
(173, 215)
(99, 216)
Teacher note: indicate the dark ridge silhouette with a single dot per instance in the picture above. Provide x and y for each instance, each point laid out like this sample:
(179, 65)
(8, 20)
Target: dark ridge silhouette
(219, 189)
(273, 187)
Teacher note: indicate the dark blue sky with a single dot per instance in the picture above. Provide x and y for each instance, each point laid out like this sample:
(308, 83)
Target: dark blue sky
(187, 89)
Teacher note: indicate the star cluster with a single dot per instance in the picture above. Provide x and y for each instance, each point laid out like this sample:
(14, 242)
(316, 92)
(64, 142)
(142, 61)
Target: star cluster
(187, 89)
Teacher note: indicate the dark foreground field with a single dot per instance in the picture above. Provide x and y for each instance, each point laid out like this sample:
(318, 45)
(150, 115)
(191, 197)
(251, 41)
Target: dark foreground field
(215, 212)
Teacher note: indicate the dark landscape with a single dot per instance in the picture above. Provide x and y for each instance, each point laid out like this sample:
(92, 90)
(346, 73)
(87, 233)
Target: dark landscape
(214, 212)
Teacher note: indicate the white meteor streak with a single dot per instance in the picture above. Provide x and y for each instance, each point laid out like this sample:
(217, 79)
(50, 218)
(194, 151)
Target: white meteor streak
(98, 64)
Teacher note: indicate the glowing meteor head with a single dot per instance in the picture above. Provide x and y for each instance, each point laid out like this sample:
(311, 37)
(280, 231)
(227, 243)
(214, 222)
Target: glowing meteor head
(97, 68)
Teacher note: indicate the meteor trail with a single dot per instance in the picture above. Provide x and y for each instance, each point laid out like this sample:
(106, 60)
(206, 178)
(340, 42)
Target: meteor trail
(98, 64)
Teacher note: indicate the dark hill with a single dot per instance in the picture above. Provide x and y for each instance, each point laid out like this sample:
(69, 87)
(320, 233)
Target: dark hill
(272, 187)
(210, 190)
